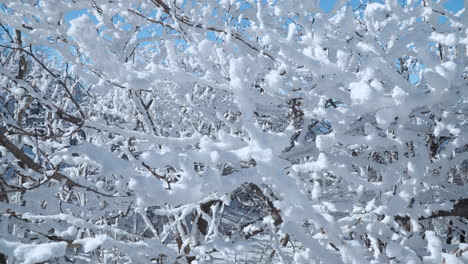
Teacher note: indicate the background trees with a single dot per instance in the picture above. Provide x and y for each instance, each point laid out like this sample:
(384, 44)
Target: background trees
(233, 131)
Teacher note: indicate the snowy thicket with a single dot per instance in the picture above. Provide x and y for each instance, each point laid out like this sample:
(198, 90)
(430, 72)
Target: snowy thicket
(233, 131)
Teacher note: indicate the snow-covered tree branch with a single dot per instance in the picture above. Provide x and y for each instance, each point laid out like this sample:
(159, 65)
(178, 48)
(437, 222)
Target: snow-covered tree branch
(233, 131)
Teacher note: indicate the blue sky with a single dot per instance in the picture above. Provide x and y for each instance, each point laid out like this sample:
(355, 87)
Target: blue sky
(455, 5)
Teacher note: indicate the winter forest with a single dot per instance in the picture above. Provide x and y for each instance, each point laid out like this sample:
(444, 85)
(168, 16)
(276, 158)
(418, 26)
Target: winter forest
(233, 131)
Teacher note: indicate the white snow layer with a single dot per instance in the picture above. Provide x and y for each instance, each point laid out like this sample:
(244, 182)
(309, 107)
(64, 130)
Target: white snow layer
(33, 253)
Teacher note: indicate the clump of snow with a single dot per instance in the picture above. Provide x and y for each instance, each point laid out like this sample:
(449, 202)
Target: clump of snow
(374, 9)
(434, 246)
(436, 81)
(397, 251)
(377, 85)
(274, 80)
(204, 48)
(84, 31)
(291, 30)
(303, 257)
(91, 243)
(385, 117)
(33, 253)
(342, 59)
(321, 163)
(361, 92)
(316, 190)
(41, 252)
(324, 142)
(70, 233)
(442, 129)
(445, 39)
(399, 95)
(460, 256)
(453, 259)
(365, 47)
(447, 69)
(344, 19)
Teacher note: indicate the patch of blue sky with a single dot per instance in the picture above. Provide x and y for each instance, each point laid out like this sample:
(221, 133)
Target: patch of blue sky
(77, 13)
(44, 50)
(4, 8)
(153, 30)
(120, 21)
(244, 5)
(455, 5)
(214, 37)
(327, 5)
(181, 44)
(6, 34)
(414, 78)
(5, 30)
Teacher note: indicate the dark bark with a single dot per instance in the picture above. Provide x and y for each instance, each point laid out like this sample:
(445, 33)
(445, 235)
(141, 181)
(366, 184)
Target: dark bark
(3, 259)
(460, 208)
(28, 162)
(202, 223)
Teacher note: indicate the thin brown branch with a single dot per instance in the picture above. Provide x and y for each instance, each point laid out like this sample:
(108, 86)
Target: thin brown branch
(150, 19)
(8, 32)
(31, 54)
(26, 160)
(23, 66)
(186, 21)
(460, 208)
